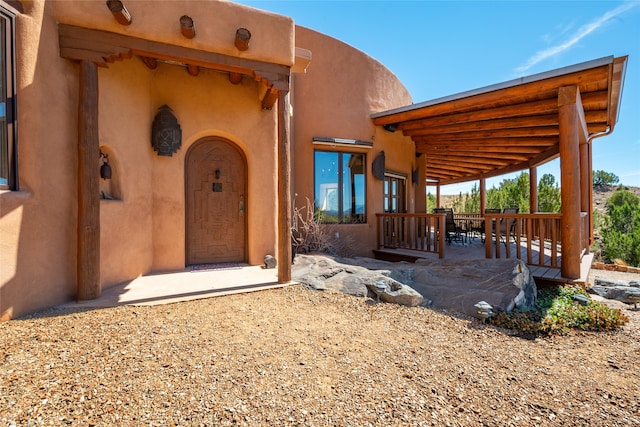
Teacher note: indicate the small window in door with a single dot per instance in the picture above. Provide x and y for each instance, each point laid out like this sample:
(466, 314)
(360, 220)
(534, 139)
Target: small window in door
(394, 193)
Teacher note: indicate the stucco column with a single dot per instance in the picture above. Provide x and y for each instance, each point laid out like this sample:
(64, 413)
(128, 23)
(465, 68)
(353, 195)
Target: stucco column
(88, 244)
(284, 190)
(570, 105)
(533, 189)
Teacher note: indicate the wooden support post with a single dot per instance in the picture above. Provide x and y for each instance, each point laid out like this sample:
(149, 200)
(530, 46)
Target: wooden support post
(585, 193)
(284, 190)
(569, 112)
(483, 195)
(88, 244)
(533, 189)
(438, 195)
(421, 189)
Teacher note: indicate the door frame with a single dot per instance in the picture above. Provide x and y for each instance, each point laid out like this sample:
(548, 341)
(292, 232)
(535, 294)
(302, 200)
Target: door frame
(236, 147)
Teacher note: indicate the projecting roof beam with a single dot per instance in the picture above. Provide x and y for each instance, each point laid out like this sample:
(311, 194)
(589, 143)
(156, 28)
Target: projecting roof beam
(497, 133)
(517, 122)
(483, 143)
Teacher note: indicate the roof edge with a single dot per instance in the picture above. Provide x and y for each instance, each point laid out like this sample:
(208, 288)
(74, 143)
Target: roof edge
(607, 60)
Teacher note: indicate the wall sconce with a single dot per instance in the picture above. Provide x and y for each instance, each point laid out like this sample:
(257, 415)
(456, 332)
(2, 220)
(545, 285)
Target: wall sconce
(119, 12)
(217, 173)
(390, 127)
(187, 27)
(105, 168)
(242, 38)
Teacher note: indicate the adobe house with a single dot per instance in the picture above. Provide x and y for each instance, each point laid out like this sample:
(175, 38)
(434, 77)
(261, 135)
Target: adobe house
(142, 137)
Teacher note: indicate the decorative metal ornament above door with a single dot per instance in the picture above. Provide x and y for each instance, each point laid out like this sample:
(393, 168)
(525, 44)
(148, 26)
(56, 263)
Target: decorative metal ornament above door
(166, 135)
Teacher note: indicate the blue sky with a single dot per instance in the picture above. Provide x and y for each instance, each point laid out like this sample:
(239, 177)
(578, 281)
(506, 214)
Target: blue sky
(439, 48)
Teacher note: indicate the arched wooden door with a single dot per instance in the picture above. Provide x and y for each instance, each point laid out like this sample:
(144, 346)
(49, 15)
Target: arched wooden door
(216, 205)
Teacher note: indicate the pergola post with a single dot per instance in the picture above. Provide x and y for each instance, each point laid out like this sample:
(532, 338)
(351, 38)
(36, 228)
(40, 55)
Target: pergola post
(421, 189)
(88, 244)
(483, 195)
(438, 195)
(284, 190)
(533, 189)
(585, 188)
(572, 127)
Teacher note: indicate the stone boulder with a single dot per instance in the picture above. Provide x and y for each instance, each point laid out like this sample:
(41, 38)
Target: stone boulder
(455, 285)
(618, 290)
(324, 272)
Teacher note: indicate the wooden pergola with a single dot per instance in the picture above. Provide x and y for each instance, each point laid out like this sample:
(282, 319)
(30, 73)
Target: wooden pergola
(519, 125)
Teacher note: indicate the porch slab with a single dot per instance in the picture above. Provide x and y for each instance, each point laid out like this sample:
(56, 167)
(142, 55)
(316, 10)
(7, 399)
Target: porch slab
(186, 285)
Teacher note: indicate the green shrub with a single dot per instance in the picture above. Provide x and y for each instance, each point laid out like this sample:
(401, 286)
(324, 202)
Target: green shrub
(621, 231)
(557, 312)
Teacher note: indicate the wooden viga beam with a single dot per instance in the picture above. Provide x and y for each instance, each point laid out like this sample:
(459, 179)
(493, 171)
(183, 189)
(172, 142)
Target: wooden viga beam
(120, 12)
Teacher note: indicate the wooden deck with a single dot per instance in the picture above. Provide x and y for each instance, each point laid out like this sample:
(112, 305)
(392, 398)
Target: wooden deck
(473, 248)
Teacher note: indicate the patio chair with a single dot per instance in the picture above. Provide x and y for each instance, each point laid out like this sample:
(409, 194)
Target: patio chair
(453, 230)
(508, 226)
(479, 225)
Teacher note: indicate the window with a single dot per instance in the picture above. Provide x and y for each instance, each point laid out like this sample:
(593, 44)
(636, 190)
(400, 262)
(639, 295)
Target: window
(340, 187)
(394, 192)
(8, 148)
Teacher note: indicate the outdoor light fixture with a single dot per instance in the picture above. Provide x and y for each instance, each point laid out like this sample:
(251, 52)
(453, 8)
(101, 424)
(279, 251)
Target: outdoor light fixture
(484, 310)
(242, 38)
(187, 27)
(119, 12)
(381, 287)
(390, 127)
(217, 173)
(105, 168)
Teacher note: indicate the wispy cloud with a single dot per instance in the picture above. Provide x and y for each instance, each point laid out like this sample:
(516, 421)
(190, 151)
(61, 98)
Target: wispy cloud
(574, 38)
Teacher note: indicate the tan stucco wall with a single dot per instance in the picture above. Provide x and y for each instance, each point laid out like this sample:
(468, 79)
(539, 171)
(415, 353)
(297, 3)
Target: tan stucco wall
(215, 22)
(144, 231)
(37, 224)
(335, 98)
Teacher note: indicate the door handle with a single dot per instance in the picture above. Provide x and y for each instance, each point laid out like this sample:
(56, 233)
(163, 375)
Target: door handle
(241, 205)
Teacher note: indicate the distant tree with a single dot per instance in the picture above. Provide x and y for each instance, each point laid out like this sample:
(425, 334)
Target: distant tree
(431, 202)
(601, 177)
(472, 201)
(549, 196)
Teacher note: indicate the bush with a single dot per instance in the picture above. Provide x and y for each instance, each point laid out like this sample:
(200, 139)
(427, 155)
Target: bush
(557, 312)
(621, 231)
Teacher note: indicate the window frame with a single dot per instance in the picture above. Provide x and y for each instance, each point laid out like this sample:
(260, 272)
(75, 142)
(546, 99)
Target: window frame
(8, 15)
(357, 218)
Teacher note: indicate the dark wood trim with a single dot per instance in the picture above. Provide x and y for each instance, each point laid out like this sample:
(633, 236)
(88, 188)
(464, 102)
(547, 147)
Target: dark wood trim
(103, 47)
(16, 5)
(88, 249)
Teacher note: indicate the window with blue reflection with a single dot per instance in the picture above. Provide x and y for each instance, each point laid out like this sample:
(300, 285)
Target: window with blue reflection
(340, 187)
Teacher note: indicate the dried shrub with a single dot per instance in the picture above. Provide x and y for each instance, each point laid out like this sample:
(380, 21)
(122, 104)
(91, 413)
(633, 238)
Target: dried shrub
(310, 235)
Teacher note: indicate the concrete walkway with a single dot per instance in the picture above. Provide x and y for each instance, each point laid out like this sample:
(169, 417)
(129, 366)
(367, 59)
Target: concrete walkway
(167, 288)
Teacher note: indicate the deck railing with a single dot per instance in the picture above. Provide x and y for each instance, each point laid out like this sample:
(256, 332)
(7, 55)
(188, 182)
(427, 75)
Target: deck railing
(536, 238)
(417, 232)
(533, 238)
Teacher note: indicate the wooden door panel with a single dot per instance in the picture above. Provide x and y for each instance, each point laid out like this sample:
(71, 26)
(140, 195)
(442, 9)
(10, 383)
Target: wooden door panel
(216, 182)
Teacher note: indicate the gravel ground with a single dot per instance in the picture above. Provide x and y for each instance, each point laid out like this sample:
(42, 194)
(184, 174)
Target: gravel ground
(298, 357)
